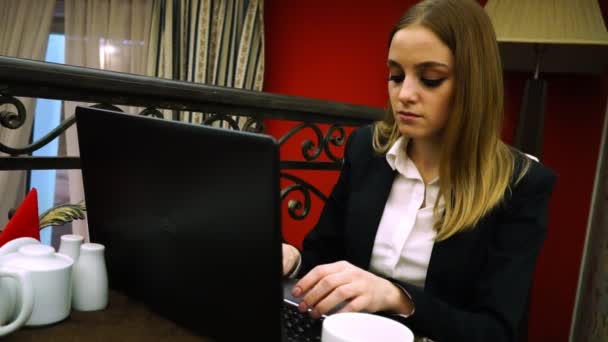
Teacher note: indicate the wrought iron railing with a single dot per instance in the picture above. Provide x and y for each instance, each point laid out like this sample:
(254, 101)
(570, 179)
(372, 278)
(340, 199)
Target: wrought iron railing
(34, 79)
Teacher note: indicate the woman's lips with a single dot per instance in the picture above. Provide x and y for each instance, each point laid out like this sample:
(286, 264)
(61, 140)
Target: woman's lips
(408, 116)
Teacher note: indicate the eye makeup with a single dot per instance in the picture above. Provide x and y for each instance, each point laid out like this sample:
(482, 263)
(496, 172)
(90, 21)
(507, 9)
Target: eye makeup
(432, 83)
(426, 82)
(426, 72)
(398, 78)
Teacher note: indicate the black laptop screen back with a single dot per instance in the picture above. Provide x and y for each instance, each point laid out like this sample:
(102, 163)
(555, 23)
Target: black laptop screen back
(190, 219)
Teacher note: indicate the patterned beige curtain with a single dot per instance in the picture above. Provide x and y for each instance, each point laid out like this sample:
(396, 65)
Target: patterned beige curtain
(24, 32)
(117, 35)
(590, 319)
(215, 42)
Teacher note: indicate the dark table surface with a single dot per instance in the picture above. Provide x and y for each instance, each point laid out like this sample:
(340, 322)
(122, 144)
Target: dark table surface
(123, 320)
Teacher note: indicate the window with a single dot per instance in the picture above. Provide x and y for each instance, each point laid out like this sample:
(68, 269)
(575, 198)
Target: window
(47, 116)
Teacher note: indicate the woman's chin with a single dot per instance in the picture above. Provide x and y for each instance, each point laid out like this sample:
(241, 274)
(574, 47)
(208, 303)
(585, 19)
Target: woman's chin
(409, 131)
(415, 133)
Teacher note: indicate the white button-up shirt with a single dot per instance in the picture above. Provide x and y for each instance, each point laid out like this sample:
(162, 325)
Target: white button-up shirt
(405, 237)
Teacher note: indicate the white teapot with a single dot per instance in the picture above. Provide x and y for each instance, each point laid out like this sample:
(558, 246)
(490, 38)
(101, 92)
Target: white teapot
(10, 282)
(41, 279)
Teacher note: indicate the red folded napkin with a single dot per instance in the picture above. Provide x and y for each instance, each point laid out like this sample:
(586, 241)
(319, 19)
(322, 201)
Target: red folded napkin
(24, 222)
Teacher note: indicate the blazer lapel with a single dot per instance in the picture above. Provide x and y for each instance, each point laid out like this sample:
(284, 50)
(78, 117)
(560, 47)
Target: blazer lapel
(453, 254)
(371, 198)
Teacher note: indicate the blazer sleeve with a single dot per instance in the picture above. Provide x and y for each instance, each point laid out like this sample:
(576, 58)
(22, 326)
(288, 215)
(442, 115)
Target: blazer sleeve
(325, 242)
(502, 289)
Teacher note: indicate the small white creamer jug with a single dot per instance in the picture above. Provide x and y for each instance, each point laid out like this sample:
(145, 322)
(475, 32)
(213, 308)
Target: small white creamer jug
(70, 245)
(90, 279)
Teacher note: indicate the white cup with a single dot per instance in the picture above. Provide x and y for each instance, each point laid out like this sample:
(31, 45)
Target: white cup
(363, 327)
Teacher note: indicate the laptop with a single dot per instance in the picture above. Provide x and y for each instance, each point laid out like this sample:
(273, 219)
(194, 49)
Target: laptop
(190, 218)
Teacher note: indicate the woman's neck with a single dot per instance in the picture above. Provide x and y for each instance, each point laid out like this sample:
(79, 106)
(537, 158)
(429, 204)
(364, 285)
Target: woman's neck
(425, 155)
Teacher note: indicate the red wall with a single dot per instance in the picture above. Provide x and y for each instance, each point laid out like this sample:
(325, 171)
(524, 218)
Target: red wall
(330, 50)
(336, 50)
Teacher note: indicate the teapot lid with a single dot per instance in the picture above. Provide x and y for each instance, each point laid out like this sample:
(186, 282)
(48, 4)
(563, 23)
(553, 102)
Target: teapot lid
(13, 245)
(37, 257)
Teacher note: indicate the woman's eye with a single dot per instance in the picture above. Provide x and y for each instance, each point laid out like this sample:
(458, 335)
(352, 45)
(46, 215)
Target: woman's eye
(396, 78)
(431, 83)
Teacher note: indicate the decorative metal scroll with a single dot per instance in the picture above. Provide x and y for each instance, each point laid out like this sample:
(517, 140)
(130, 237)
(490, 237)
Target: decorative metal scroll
(296, 209)
(335, 136)
(312, 150)
(15, 151)
(222, 118)
(14, 120)
(150, 111)
(254, 125)
(229, 108)
(10, 119)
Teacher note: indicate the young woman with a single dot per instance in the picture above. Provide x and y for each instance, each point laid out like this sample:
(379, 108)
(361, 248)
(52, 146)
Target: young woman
(433, 218)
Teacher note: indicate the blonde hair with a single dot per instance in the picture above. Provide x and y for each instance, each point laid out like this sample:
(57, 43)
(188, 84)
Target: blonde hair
(476, 167)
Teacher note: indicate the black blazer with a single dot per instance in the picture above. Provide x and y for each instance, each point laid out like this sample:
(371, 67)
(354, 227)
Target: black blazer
(477, 281)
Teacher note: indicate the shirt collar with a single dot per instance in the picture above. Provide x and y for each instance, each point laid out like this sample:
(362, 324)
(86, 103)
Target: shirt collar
(396, 150)
(398, 160)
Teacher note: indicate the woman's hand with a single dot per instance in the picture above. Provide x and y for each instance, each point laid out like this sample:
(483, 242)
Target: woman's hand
(326, 286)
(291, 257)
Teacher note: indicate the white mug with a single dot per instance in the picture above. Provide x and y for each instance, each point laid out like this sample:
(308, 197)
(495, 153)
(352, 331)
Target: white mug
(363, 327)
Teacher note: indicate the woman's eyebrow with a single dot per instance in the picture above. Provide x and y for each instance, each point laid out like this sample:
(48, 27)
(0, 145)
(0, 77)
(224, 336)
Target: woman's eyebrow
(392, 64)
(419, 66)
(426, 65)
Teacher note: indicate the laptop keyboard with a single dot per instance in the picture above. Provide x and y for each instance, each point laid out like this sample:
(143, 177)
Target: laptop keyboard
(300, 327)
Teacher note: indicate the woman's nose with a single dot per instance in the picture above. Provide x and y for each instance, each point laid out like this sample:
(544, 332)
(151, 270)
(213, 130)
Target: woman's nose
(409, 90)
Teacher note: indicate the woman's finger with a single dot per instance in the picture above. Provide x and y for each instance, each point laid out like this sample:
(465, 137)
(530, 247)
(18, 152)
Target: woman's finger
(323, 288)
(341, 295)
(304, 285)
